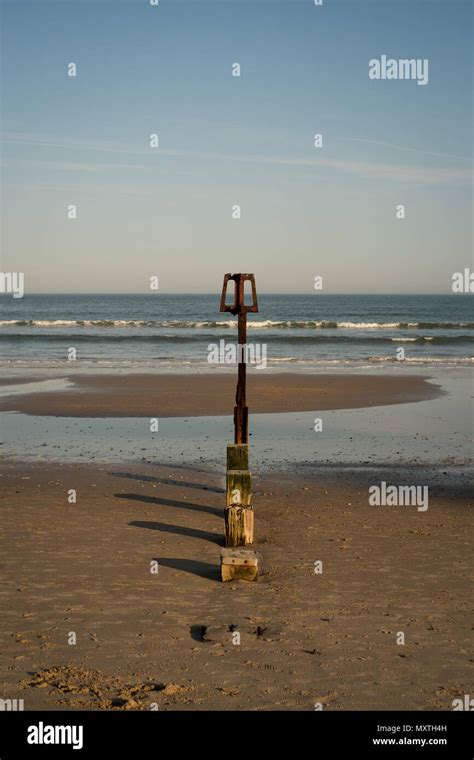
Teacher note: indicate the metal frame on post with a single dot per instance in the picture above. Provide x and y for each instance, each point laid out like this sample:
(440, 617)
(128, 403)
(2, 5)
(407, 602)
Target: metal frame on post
(240, 309)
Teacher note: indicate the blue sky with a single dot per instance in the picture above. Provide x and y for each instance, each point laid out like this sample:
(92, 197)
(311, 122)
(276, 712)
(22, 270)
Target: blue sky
(227, 140)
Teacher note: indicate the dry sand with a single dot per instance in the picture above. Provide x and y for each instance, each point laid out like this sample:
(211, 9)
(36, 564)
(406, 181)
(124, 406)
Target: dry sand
(166, 638)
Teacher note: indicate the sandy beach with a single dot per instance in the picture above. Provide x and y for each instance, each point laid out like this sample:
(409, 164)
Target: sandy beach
(167, 638)
(87, 624)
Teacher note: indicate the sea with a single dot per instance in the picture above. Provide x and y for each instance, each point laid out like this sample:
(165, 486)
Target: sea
(175, 333)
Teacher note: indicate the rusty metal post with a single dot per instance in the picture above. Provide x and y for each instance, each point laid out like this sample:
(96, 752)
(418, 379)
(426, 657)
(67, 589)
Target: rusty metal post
(240, 309)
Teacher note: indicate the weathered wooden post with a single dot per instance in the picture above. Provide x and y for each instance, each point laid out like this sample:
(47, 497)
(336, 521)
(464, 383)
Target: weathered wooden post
(239, 519)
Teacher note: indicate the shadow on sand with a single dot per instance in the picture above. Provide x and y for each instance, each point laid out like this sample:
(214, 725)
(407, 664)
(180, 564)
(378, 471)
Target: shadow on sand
(170, 503)
(180, 530)
(167, 481)
(195, 567)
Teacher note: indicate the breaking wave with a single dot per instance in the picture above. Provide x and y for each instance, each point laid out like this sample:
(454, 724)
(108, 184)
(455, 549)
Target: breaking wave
(231, 323)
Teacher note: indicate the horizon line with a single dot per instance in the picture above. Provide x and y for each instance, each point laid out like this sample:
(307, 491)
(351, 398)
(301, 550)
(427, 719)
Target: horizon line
(217, 294)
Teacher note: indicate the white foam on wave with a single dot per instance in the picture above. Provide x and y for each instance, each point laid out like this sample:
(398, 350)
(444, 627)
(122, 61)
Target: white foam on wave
(252, 324)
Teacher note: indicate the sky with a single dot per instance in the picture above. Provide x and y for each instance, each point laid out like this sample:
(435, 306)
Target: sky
(305, 211)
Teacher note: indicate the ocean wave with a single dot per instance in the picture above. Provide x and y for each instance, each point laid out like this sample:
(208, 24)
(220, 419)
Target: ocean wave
(231, 323)
(199, 338)
(451, 360)
(170, 363)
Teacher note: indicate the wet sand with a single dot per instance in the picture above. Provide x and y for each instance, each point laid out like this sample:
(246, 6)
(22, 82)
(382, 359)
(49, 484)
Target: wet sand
(166, 638)
(205, 395)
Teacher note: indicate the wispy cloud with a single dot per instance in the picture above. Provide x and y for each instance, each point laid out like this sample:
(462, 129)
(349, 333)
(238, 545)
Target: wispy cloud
(411, 173)
(405, 148)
